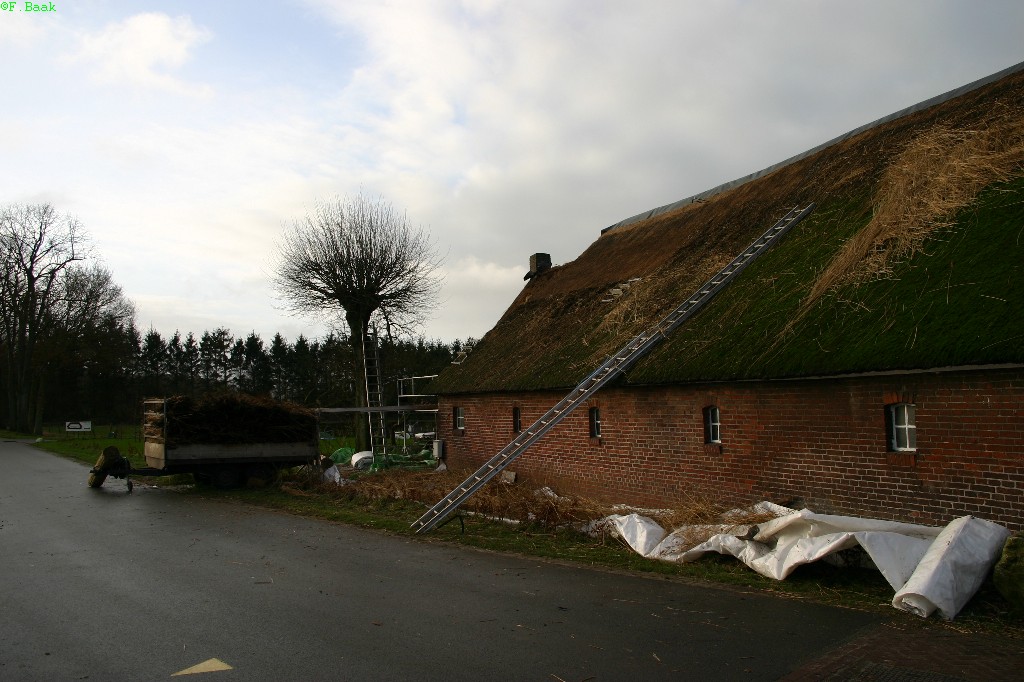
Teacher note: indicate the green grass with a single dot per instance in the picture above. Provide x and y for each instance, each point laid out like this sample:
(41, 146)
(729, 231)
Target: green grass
(329, 445)
(86, 448)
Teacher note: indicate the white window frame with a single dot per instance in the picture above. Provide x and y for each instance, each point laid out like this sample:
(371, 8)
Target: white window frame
(712, 424)
(459, 418)
(902, 427)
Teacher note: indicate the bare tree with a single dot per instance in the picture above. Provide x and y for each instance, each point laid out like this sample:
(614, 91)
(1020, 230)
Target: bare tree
(37, 248)
(359, 258)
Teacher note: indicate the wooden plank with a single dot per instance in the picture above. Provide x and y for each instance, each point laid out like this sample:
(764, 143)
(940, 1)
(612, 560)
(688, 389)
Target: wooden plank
(154, 454)
(298, 452)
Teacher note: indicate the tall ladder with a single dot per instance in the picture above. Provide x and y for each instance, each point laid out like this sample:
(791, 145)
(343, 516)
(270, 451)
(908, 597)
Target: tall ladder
(611, 368)
(374, 396)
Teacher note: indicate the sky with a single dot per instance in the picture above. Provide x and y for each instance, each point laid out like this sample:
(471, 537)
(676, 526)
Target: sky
(185, 136)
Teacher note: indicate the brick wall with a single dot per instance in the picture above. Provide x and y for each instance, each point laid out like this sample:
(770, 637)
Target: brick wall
(816, 443)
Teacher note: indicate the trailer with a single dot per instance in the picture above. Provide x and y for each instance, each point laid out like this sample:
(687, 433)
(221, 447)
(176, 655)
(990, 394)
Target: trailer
(223, 441)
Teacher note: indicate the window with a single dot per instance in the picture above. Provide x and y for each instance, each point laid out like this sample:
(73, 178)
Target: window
(595, 422)
(901, 427)
(517, 420)
(712, 425)
(458, 418)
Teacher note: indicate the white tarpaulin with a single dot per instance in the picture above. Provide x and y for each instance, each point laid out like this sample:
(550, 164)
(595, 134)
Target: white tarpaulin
(929, 568)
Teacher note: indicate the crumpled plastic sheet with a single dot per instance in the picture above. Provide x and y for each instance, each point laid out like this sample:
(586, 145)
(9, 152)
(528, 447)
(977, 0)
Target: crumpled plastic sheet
(333, 475)
(930, 568)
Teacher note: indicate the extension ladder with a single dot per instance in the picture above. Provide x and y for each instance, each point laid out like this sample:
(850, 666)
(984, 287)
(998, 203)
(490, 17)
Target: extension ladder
(374, 397)
(611, 368)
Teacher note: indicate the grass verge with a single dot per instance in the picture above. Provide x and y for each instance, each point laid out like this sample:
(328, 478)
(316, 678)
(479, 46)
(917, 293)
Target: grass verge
(86, 449)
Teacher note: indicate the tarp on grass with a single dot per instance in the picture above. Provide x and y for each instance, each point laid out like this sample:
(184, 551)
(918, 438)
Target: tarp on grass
(930, 568)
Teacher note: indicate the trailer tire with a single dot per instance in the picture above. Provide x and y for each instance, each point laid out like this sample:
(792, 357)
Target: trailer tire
(261, 474)
(227, 476)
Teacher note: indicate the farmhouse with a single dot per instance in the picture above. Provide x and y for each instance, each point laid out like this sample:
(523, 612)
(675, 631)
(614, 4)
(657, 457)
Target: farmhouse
(871, 363)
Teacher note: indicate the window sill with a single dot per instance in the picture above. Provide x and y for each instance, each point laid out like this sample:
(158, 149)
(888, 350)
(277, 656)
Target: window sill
(595, 441)
(902, 458)
(712, 448)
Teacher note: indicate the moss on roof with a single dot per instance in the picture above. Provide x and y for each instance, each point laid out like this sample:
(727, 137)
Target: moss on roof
(954, 298)
(958, 302)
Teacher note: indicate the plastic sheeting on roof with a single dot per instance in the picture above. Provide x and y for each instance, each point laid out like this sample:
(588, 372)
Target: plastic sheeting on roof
(931, 569)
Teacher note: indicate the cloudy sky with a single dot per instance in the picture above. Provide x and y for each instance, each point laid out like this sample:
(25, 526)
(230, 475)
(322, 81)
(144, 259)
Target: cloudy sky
(185, 135)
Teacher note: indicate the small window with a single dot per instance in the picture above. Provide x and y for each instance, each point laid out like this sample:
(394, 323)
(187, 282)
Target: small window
(595, 422)
(517, 420)
(712, 425)
(900, 418)
(458, 418)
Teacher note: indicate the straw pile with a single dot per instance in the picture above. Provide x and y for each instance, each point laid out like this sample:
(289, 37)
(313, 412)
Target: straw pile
(524, 503)
(518, 502)
(938, 173)
(232, 418)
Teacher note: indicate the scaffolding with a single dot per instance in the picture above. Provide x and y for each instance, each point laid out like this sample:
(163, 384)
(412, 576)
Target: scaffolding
(418, 411)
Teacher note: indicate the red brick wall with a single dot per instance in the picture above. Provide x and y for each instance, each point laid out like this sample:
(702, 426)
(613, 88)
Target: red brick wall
(820, 443)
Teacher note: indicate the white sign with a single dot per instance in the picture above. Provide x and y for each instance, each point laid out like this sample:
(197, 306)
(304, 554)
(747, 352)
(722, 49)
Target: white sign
(78, 426)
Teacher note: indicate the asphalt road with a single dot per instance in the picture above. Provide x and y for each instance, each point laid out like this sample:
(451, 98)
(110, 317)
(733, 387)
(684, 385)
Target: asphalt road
(102, 585)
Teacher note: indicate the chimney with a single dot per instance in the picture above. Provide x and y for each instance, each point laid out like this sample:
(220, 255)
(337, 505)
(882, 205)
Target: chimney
(539, 262)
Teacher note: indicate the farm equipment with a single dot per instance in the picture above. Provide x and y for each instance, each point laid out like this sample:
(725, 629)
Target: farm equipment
(223, 440)
(111, 463)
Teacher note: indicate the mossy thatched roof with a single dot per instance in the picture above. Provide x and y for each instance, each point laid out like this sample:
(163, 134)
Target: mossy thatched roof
(912, 259)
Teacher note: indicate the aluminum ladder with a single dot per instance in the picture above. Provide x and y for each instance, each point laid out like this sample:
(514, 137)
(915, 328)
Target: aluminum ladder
(611, 368)
(374, 397)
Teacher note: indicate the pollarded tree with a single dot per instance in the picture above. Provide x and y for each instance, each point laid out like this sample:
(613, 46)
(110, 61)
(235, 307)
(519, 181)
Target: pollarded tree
(362, 260)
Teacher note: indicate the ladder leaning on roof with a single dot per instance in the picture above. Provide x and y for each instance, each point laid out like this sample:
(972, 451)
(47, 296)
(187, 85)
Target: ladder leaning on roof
(611, 368)
(374, 396)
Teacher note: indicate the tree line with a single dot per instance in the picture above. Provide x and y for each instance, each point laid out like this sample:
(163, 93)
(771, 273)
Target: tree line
(311, 372)
(71, 350)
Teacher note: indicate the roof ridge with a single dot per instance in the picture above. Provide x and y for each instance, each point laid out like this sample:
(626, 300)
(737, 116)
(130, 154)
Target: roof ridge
(920, 106)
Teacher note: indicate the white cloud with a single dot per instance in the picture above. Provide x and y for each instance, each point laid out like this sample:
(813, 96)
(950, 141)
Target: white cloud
(471, 273)
(22, 30)
(505, 128)
(143, 50)
(475, 294)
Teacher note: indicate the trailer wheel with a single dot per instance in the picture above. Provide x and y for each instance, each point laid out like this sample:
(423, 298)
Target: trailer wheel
(266, 474)
(227, 476)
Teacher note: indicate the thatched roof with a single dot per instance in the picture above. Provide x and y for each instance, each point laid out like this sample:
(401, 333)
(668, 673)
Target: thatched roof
(912, 259)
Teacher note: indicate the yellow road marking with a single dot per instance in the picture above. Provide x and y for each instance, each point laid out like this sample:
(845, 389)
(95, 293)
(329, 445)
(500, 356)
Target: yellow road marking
(210, 666)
